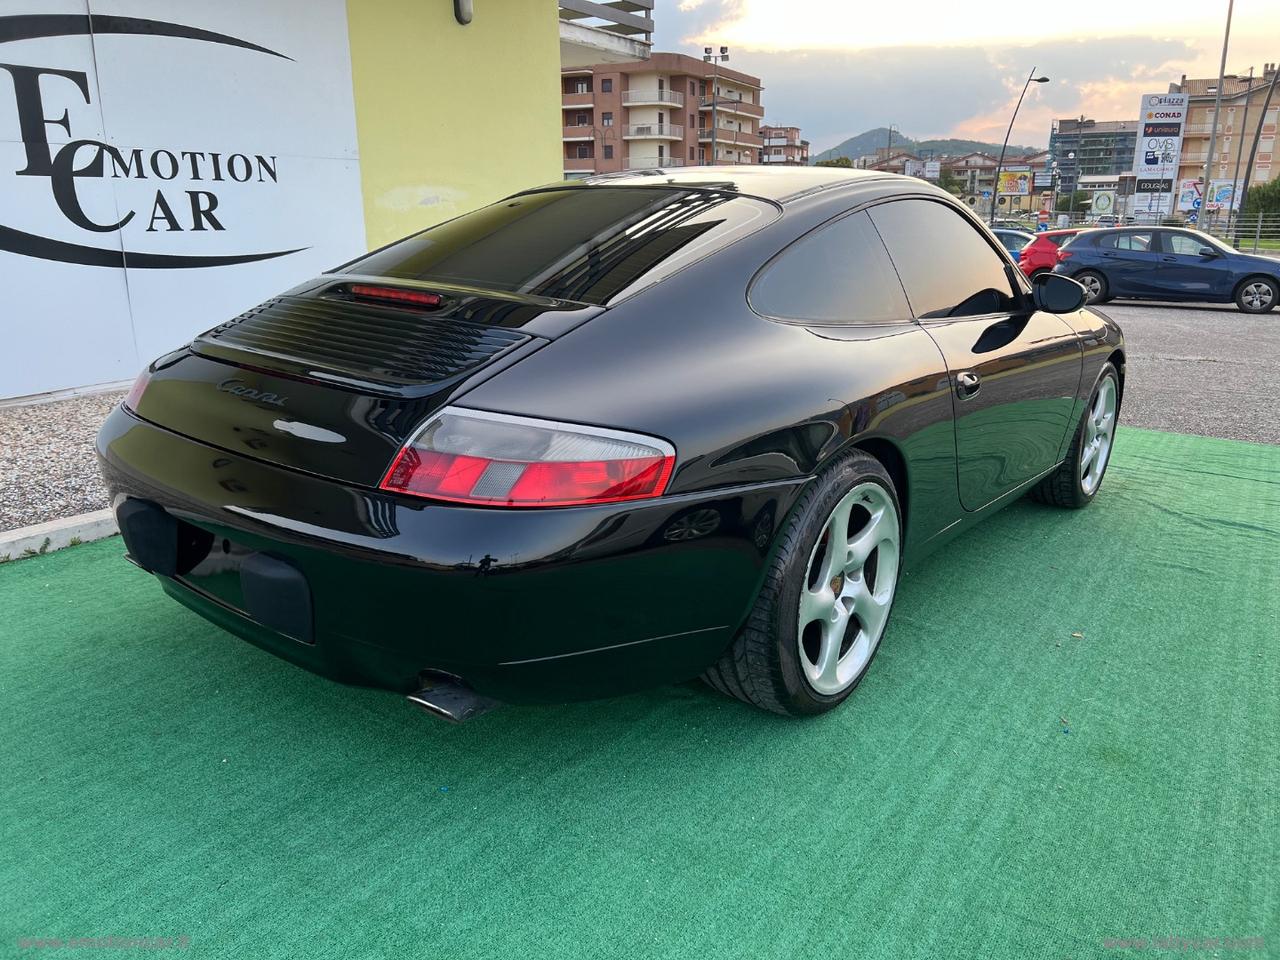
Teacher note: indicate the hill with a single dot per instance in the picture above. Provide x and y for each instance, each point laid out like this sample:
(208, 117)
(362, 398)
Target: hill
(868, 142)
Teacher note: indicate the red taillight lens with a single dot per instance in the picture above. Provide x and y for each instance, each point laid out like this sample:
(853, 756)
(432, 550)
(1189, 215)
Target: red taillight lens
(1063, 255)
(413, 298)
(471, 456)
(134, 396)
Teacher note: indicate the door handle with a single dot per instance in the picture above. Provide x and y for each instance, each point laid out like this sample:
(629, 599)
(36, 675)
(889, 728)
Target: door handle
(1169, 259)
(967, 384)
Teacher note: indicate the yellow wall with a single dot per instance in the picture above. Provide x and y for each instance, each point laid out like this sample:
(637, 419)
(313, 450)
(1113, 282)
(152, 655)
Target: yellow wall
(450, 117)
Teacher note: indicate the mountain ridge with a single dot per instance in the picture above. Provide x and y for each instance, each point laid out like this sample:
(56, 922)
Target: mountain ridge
(869, 141)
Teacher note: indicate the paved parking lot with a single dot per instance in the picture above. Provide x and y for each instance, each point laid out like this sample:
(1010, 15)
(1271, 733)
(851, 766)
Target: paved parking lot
(1204, 369)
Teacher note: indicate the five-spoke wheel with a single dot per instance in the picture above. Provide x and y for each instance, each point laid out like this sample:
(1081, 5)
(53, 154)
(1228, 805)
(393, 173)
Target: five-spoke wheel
(848, 588)
(1099, 428)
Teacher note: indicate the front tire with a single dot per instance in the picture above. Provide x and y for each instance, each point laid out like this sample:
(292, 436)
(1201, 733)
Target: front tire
(1257, 295)
(826, 598)
(1075, 482)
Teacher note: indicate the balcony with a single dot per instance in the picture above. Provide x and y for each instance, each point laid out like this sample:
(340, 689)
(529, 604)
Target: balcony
(579, 164)
(637, 98)
(726, 105)
(577, 99)
(649, 163)
(653, 131)
(578, 133)
(732, 138)
(614, 32)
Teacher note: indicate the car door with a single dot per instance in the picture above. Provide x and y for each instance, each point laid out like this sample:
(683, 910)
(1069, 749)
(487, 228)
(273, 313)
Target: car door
(1015, 371)
(1130, 262)
(1192, 268)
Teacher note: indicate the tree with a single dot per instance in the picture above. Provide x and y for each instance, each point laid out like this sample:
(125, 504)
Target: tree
(953, 185)
(1073, 201)
(835, 162)
(1263, 200)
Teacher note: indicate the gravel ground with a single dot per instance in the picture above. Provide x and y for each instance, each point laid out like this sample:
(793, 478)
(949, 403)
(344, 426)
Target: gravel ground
(1203, 369)
(1207, 370)
(47, 466)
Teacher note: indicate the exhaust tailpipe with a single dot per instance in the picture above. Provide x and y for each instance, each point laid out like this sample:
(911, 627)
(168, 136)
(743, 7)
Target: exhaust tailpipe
(446, 697)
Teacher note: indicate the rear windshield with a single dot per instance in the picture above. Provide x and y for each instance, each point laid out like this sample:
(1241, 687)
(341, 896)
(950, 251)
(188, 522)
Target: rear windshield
(587, 244)
(1058, 239)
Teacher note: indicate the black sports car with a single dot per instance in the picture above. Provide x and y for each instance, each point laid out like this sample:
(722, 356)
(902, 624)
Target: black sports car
(613, 433)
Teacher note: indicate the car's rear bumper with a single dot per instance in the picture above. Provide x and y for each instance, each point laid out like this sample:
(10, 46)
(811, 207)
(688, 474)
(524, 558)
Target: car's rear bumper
(520, 604)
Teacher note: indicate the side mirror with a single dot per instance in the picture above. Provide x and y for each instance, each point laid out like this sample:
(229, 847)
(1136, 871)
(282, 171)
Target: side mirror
(1054, 293)
(1207, 253)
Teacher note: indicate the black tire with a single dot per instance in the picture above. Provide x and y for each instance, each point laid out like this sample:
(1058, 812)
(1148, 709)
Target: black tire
(762, 666)
(1103, 295)
(1065, 486)
(1247, 300)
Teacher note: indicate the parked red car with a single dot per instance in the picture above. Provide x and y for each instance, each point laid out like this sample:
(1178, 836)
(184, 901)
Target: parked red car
(1042, 254)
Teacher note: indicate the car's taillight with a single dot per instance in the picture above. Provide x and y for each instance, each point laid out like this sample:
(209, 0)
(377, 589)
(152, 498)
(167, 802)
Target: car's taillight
(134, 396)
(1063, 254)
(492, 459)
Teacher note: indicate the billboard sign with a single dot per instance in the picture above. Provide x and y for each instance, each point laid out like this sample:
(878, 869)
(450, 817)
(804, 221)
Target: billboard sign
(1158, 150)
(1188, 195)
(1015, 183)
(1104, 203)
(163, 167)
(932, 170)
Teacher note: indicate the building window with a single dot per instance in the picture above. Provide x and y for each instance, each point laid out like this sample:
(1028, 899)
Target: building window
(581, 86)
(581, 120)
(608, 152)
(692, 91)
(691, 154)
(606, 86)
(606, 118)
(584, 152)
(691, 120)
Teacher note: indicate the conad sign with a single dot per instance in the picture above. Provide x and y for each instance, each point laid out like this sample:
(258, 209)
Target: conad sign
(159, 175)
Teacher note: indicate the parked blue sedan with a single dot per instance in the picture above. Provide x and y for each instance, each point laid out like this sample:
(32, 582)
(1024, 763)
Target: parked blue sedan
(1164, 263)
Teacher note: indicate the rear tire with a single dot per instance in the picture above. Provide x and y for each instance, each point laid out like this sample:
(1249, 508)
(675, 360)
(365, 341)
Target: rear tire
(826, 598)
(1095, 286)
(1077, 479)
(1257, 295)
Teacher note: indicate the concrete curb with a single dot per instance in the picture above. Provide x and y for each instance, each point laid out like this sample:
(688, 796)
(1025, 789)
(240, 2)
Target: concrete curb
(56, 534)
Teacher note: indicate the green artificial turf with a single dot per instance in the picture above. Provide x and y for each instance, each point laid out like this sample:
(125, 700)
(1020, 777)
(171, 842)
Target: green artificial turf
(1072, 733)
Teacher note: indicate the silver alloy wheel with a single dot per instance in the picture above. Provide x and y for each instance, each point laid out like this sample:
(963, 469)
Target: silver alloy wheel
(1092, 286)
(1099, 428)
(1257, 295)
(849, 585)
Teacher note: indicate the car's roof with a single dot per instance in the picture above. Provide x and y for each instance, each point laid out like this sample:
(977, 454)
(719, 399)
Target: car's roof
(772, 183)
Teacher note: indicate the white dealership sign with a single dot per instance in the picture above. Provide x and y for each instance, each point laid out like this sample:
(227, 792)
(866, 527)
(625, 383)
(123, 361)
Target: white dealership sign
(1161, 119)
(162, 167)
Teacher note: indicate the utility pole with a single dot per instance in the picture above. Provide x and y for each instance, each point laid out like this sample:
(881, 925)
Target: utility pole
(714, 60)
(995, 186)
(1217, 105)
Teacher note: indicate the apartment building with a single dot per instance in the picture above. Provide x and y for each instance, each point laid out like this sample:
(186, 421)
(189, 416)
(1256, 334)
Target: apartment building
(1242, 101)
(670, 110)
(783, 145)
(1092, 148)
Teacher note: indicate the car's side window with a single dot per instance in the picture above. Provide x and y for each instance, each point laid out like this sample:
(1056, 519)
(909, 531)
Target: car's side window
(1185, 245)
(837, 274)
(1139, 242)
(948, 268)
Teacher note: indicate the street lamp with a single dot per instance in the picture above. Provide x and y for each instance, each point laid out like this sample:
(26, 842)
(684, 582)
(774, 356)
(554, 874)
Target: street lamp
(714, 59)
(995, 192)
(1075, 182)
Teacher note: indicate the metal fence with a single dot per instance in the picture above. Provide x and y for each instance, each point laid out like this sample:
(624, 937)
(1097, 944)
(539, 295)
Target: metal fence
(1251, 233)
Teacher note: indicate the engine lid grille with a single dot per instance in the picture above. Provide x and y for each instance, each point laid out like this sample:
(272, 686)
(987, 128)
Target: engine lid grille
(356, 344)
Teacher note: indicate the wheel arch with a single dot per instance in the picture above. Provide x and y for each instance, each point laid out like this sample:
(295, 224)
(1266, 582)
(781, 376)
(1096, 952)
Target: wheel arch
(1235, 291)
(895, 464)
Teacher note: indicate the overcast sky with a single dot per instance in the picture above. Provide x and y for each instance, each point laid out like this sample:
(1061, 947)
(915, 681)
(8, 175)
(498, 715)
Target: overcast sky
(938, 68)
